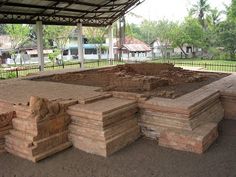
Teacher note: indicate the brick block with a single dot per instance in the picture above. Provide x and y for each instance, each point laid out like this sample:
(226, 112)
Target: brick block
(196, 141)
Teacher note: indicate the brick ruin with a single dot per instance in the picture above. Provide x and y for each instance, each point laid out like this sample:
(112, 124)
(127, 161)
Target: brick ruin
(107, 122)
(163, 80)
(40, 129)
(104, 126)
(6, 116)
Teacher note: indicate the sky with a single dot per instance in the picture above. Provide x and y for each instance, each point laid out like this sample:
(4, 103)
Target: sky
(174, 10)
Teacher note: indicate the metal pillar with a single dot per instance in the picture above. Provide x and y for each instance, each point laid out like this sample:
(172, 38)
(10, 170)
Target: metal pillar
(39, 31)
(111, 52)
(80, 44)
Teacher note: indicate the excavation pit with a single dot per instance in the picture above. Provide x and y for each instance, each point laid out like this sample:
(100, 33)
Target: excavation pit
(162, 80)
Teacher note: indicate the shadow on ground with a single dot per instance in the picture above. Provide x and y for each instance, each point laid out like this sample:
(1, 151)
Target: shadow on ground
(143, 158)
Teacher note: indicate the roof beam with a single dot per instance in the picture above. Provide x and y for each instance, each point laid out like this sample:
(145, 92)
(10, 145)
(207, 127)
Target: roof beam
(47, 15)
(86, 3)
(45, 9)
(55, 8)
(61, 12)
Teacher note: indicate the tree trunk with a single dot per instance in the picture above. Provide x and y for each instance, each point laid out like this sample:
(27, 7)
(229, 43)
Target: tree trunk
(62, 54)
(99, 53)
(232, 55)
(185, 54)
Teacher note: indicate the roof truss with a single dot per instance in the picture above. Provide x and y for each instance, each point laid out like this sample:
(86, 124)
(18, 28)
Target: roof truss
(65, 12)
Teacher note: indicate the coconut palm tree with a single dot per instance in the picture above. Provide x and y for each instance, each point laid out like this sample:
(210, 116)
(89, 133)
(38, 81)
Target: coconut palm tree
(214, 17)
(200, 9)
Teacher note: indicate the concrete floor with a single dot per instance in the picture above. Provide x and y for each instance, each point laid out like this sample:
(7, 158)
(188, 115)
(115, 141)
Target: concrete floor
(144, 158)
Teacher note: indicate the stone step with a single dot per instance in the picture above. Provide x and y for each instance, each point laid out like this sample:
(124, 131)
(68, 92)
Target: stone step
(26, 155)
(102, 107)
(105, 134)
(108, 147)
(196, 141)
(107, 118)
(94, 99)
(98, 124)
(52, 151)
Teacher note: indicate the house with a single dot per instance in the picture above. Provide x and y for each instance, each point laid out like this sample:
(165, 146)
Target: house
(90, 50)
(160, 50)
(132, 49)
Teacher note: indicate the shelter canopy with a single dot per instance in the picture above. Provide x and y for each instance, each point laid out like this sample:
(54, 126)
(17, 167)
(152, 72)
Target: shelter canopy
(65, 12)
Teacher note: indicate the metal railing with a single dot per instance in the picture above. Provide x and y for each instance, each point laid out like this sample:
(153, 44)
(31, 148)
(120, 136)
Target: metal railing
(202, 65)
(21, 71)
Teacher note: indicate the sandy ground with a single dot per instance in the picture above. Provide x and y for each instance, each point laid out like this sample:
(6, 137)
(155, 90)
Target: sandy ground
(143, 158)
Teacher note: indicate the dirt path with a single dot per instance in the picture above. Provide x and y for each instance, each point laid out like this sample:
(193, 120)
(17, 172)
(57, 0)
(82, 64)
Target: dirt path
(144, 158)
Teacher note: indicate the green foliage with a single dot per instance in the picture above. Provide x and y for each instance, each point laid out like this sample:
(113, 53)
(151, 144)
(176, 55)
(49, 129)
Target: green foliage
(134, 30)
(227, 36)
(11, 75)
(59, 35)
(18, 33)
(148, 31)
(194, 32)
(53, 56)
(2, 29)
(96, 36)
(213, 18)
(231, 13)
(200, 9)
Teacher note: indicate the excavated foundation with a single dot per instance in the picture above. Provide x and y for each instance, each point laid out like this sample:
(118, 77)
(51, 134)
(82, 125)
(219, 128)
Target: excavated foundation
(104, 120)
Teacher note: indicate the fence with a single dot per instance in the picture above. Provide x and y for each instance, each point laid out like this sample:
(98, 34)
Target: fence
(27, 70)
(203, 66)
(21, 71)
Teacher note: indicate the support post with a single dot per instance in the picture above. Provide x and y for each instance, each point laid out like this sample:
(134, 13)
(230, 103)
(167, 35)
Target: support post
(80, 44)
(111, 52)
(39, 31)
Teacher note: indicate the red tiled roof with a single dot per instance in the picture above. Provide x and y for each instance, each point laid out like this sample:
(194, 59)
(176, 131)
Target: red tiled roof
(137, 47)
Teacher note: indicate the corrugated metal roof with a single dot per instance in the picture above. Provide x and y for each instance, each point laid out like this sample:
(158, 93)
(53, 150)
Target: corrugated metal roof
(137, 47)
(65, 12)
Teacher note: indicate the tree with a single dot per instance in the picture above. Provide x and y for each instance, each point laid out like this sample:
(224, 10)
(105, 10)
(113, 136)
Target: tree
(180, 37)
(214, 17)
(133, 30)
(231, 11)
(2, 29)
(227, 37)
(148, 31)
(58, 36)
(200, 9)
(194, 32)
(96, 36)
(164, 34)
(19, 34)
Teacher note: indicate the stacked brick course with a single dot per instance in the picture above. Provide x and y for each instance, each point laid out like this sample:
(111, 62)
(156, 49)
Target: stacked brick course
(6, 116)
(103, 127)
(39, 130)
(188, 124)
(228, 98)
